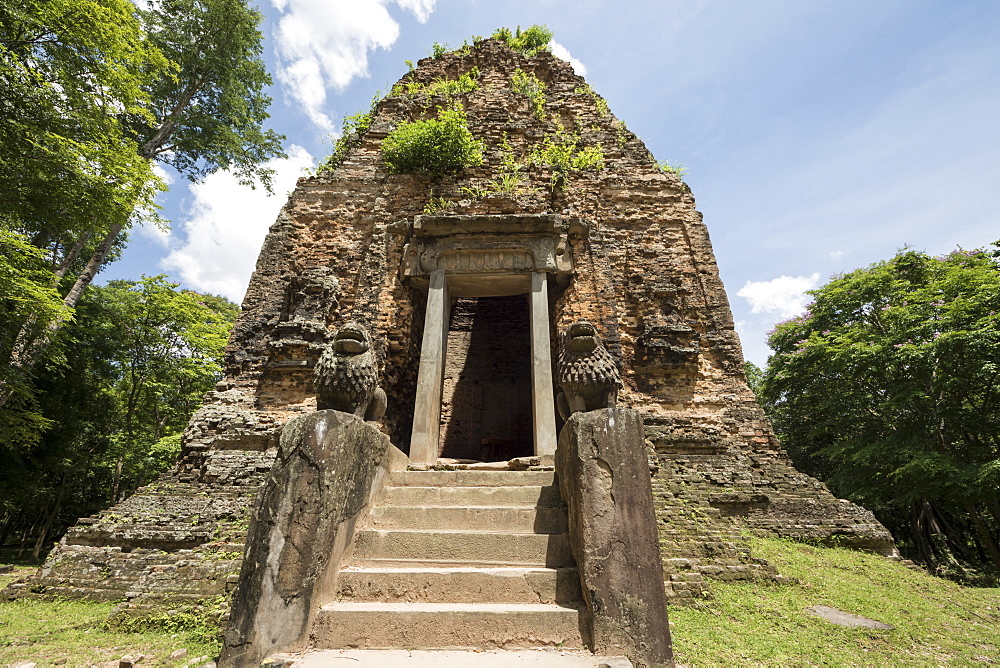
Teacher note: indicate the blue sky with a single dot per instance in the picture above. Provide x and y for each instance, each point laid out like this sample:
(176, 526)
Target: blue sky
(819, 136)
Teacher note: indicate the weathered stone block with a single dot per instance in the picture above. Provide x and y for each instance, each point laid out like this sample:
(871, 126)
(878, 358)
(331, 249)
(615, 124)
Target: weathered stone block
(329, 465)
(604, 479)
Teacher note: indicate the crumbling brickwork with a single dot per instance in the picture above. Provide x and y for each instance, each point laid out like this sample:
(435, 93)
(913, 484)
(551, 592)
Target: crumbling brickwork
(643, 272)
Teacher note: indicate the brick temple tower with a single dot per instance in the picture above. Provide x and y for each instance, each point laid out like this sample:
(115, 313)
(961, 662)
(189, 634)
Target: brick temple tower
(464, 282)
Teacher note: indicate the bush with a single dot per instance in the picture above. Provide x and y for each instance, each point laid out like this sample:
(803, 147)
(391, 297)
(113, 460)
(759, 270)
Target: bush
(531, 41)
(435, 146)
(530, 86)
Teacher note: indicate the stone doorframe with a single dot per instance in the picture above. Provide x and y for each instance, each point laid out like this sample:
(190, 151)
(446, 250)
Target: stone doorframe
(483, 256)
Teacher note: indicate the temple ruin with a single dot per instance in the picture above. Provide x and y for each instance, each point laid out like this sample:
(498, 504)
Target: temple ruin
(465, 286)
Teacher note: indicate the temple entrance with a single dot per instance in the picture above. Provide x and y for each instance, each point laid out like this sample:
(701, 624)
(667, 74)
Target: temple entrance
(486, 400)
(484, 385)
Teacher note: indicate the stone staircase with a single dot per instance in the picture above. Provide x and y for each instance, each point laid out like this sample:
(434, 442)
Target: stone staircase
(458, 559)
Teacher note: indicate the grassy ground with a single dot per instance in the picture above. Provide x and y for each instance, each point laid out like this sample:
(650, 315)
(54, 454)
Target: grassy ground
(936, 622)
(77, 631)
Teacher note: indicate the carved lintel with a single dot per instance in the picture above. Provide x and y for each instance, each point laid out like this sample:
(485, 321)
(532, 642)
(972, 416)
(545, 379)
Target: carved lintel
(487, 245)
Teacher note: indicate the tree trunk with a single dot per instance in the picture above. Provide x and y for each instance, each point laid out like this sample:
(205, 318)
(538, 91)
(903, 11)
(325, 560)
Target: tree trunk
(117, 478)
(44, 531)
(985, 537)
(29, 346)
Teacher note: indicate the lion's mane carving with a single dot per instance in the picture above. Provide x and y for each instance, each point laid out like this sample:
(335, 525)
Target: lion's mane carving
(587, 374)
(346, 376)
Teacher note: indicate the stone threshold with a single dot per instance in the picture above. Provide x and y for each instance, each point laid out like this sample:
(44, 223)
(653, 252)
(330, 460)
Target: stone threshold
(534, 463)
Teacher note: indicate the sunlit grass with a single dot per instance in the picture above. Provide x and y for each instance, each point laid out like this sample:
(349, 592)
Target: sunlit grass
(936, 622)
(77, 631)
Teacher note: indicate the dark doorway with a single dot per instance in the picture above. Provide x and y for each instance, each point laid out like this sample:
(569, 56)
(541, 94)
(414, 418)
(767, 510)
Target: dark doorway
(486, 408)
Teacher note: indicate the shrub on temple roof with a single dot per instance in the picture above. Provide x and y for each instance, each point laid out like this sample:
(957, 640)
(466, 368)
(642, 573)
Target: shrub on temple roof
(529, 42)
(434, 146)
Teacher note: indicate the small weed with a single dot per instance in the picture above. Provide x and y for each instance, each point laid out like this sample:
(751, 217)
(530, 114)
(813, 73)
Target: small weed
(353, 129)
(621, 136)
(561, 152)
(474, 191)
(599, 103)
(530, 86)
(507, 183)
(438, 50)
(437, 204)
(674, 168)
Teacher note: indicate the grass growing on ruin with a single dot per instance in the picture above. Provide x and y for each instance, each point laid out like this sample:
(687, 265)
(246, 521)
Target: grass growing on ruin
(46, 631)
(936, 622)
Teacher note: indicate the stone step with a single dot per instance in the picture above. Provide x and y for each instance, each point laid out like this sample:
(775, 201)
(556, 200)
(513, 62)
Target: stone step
(518, 519)
(459, 585)
(462, 547)
(445, 625)
(522, 495)
(472, 478)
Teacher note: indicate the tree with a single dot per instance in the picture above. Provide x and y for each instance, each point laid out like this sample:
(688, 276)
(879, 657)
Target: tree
(888, 387)
(194, 100)
(69, 70)
(755, 376)
(137, 359)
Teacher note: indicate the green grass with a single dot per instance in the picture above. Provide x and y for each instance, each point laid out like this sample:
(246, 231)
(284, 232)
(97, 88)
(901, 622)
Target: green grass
(936, 622)
(44, 631)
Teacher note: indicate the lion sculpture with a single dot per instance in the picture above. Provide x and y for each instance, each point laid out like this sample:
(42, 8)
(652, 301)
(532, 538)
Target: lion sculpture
(587, 374)
(346, 376)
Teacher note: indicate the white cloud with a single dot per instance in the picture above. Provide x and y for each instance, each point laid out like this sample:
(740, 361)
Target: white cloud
(836, 254)
(420, 8)
(227, 225)
(783, 296)
(560, 51)
(325, 44)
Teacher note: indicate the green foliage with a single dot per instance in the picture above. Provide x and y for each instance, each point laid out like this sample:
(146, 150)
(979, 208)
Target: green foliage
(438, 50)
(27, 292)
(621, 136)
(449, 88)
(78, 632)
(936, 622)
(71, 70)
(352, 132)
(561, 152)
(437, 205)
(672, 168)
(210, 114)
(599, 102)
(530, 86)
(95, 91)
(509, 178)
(887, 388)
(137, 359)
(203, 622)
(435, 146)
(529, 42)
(755, 377)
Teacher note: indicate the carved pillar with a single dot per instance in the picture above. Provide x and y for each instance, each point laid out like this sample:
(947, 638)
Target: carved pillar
(543, 400)
(426, 435)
